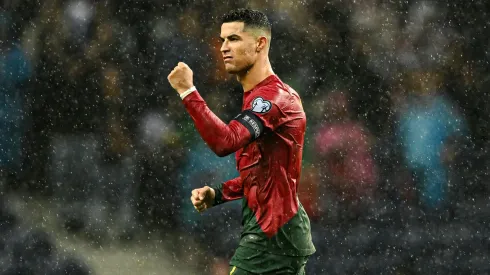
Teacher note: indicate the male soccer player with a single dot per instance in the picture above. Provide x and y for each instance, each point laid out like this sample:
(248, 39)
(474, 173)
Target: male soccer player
(267, 138)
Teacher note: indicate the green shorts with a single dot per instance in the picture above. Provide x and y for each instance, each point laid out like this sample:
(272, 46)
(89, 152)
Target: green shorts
(248, 261)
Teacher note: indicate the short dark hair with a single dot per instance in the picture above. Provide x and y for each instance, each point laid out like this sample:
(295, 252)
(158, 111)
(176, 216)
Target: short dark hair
(250, 18)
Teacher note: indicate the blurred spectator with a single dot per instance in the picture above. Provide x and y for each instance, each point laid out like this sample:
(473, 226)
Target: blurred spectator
(67, 95)
(345, 163)
(428, 124)
(160, 154)
(117, 136)
(178, 40)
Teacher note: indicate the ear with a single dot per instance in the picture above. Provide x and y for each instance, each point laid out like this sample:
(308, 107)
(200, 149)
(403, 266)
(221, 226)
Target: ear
(261, 43)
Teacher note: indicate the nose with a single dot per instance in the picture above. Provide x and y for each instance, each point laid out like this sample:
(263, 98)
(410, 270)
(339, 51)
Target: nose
(225, 47)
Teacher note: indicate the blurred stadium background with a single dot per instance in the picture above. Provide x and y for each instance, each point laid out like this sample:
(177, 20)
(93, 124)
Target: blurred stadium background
(98, 156)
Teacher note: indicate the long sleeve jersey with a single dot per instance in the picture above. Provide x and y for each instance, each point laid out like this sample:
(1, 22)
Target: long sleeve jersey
(267, 138)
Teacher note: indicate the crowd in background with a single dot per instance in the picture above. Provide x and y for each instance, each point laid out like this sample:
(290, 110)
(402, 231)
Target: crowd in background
(396, 152)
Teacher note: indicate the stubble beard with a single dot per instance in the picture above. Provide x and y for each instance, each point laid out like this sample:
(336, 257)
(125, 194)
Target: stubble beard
(240, 72)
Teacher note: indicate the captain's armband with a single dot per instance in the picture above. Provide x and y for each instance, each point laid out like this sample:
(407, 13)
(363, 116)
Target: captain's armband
(254, 125)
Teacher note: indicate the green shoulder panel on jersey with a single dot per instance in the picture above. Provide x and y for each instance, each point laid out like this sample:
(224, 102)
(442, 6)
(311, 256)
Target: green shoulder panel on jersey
(292, 239)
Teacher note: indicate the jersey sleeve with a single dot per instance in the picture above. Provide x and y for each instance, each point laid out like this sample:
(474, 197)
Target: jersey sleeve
(222, 138)
(228, 191)
(268, 108)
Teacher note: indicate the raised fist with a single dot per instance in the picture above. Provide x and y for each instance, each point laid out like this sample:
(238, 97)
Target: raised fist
(181, 78)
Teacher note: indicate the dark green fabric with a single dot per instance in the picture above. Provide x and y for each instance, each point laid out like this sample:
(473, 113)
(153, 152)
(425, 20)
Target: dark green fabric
(218, 192)
(292, 239)
(251, 261)
(238, 271)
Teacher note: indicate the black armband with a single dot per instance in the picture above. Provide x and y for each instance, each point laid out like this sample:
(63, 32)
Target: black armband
(254, 125)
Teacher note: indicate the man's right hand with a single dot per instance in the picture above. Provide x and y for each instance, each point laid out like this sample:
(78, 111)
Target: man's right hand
(203, 198)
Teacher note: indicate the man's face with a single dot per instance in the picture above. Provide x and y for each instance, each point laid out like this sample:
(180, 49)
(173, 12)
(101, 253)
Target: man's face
(238, 48)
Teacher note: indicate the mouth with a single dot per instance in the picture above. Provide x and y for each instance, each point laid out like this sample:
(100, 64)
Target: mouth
(227, 58)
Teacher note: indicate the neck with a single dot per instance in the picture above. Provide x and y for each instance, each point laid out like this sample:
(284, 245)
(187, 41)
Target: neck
(256, 74)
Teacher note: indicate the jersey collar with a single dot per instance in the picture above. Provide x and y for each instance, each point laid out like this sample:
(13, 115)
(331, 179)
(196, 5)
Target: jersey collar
(264, 82)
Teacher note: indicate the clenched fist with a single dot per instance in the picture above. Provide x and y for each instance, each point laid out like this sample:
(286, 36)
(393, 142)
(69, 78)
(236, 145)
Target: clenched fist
(181, 78)
(203, 198)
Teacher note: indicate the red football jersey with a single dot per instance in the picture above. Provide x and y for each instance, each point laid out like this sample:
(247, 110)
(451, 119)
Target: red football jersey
(267, 137)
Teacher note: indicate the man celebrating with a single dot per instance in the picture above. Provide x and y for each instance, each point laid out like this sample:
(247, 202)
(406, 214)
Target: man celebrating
(267, 138)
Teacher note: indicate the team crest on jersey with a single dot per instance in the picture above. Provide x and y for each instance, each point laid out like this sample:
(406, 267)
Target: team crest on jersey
(260, 105)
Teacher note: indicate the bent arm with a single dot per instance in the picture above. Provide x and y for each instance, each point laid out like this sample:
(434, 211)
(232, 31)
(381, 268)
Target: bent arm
(222, 138)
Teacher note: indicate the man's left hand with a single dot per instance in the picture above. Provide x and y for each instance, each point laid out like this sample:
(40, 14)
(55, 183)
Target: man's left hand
(181, 78)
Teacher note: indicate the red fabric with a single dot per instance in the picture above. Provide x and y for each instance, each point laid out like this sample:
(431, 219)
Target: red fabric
(232, 189)
(308, 192)
(223, 139)
(270, 166)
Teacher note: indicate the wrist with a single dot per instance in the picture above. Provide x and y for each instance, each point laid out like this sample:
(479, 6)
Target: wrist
(184, 93)
(213, 194)
(217, 194)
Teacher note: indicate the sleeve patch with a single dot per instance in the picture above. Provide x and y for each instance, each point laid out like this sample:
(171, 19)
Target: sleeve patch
(254, 125)
(260, 105)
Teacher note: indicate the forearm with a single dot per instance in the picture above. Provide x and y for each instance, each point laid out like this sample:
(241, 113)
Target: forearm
(222, 138)
(228, 191)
